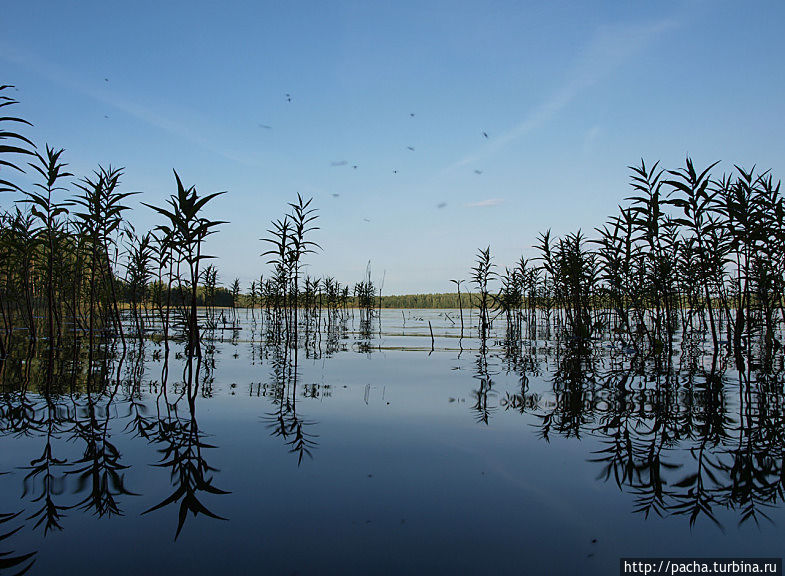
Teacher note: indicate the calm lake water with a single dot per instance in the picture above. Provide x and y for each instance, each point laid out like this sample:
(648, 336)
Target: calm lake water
(376, 454)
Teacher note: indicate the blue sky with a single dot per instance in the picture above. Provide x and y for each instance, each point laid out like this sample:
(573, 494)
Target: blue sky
(569, 94)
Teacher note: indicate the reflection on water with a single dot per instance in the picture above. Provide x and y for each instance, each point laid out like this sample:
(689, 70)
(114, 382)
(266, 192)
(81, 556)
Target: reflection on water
(132, 436)
(283, 421)
(673, 436)
(180, 442)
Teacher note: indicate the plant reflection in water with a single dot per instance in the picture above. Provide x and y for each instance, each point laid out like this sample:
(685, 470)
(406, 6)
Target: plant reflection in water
(688, 435)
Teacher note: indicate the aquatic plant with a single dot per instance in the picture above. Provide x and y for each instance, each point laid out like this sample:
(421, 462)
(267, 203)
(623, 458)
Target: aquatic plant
(19, 143)
(482, 275)
(186, 230)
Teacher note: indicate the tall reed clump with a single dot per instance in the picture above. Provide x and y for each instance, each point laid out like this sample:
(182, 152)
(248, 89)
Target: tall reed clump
(689, 250)
(365, 292)
(754, 225)
(12, 144)
(482, 275)
(694, 195)
(290, 242)
(99, 225)
(61, 253)
(656, 233)
(184, 234)
(302, 217)
(50, 223)
(517, 297)
(277, 288)
(573, 270)
(139, 272)
(47, 248)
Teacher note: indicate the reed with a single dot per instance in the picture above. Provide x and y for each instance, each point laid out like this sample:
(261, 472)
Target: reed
(689, 248)
(482, 275)
(49, 220)
(139, 273)
(186, 231)
(18, 144)
(99, 224)
(365, 292)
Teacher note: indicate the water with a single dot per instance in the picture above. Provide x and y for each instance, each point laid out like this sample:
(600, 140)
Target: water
(382, 454)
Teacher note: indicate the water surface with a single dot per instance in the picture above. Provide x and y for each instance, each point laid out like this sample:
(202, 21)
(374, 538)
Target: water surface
(374, 450)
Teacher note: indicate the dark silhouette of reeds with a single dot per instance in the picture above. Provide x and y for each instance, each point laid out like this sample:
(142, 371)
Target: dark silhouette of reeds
(365, 292)
(62, 256)
(482, 276)
(185, 232)
(73, 265)
(686, 278)
(297, 308)
(690, 251)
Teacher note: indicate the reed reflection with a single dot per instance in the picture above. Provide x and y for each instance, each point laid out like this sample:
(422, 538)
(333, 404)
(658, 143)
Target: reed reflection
(75, 405)
(11, 560)
(65, 403)
(99, 470)
(284, 421)
(483, 372)
(686, 436)
(181, 444)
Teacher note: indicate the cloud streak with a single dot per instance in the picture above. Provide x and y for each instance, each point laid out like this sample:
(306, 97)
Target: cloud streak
(485, 203)
(611, 47)
(65, 78)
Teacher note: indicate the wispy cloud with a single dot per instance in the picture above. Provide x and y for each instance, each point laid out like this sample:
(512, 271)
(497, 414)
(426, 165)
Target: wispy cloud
(485, 203)
(591, 137)
(67, 79)
(611, 47)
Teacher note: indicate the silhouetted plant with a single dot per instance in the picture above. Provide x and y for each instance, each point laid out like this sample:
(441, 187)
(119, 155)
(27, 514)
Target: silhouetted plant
(698, 202)
(460, 303)
(482, 276)
(50, 224)
(187, 230)
(365, 292)
(98, 223)
(141, 253)
(19, 145)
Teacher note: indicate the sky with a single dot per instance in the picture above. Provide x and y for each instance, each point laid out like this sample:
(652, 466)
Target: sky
(423, 131)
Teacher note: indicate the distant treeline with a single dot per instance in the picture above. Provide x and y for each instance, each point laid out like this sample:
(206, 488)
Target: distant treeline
(223, 298)
(443, 300)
